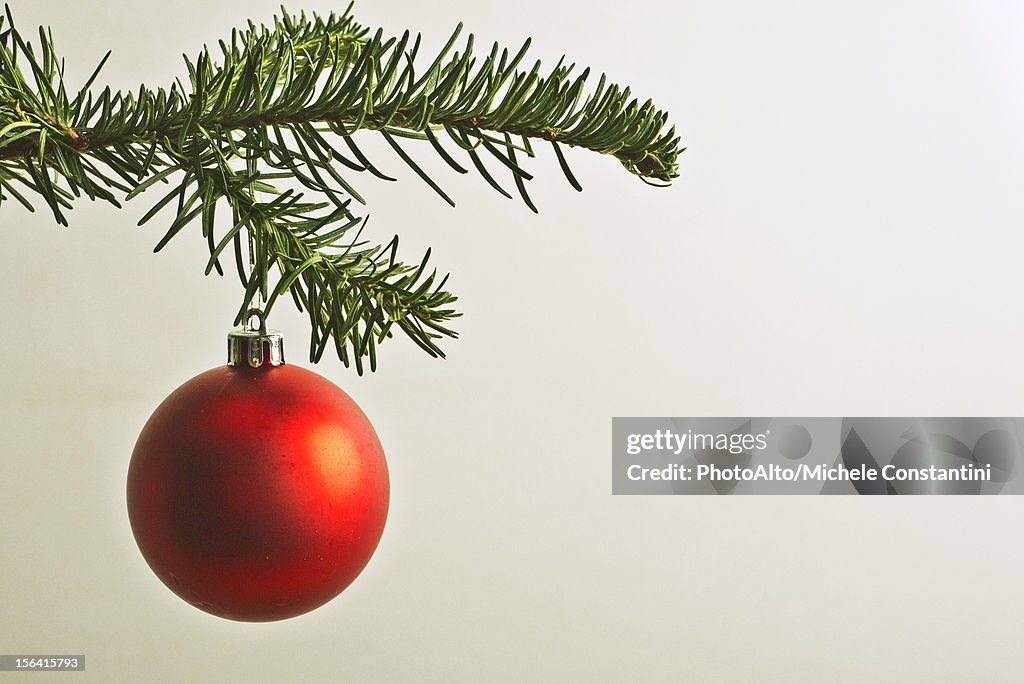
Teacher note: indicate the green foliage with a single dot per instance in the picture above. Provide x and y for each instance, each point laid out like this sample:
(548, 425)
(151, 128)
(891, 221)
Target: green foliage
(279, 106)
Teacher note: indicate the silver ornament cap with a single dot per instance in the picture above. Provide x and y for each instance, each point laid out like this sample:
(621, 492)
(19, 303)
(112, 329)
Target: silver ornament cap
(255, 346)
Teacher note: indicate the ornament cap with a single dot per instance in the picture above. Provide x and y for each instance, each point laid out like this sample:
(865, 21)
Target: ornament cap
(255, 346)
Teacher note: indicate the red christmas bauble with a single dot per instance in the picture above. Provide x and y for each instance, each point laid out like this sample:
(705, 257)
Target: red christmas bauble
(257, 494)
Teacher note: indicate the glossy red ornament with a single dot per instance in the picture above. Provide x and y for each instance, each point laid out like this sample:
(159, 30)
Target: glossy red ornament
(257, 494)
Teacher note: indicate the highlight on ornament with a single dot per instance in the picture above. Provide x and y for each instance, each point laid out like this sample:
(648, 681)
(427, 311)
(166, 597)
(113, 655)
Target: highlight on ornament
(259, 490)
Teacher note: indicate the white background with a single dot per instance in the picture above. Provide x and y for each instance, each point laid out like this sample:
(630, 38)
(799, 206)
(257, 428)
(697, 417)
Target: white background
(844, 239)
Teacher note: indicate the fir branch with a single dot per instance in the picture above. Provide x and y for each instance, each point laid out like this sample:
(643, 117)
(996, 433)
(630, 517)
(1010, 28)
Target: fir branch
(280, 106)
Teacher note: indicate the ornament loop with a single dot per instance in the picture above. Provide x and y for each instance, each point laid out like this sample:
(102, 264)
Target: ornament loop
(259, 316)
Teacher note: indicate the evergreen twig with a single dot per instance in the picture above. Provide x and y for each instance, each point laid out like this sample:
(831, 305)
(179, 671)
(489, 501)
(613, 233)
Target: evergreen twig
(281, 105)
